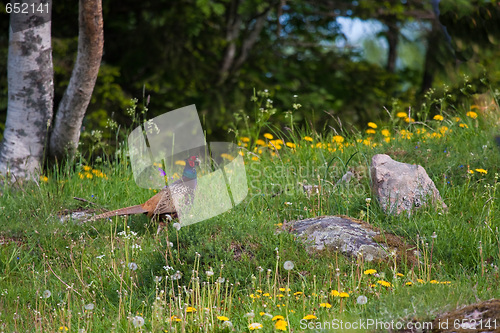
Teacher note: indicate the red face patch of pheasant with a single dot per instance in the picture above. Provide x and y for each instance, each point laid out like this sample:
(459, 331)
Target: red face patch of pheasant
(192, 161)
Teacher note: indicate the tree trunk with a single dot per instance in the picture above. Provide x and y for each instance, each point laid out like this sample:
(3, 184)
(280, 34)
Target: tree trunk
(69, 116)
(30, 97)
(392, 40)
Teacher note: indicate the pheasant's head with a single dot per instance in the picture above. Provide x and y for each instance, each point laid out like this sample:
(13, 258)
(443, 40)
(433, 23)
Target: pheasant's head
(190, 168)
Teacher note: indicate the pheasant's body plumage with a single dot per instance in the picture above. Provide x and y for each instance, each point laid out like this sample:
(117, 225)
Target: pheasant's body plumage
(170, 201)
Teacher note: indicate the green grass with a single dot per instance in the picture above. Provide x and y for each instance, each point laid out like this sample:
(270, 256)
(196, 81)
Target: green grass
(106, 275)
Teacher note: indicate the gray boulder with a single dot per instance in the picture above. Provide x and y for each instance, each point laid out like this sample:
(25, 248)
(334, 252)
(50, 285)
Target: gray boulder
(400, 187)
(352, 237)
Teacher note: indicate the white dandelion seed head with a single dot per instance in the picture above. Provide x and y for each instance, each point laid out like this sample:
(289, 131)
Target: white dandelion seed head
(158, 279)
(288, 265)
(138, 321)
(176, 276)
(132, 266)
(227, 324)
(434, 235)
(89, 306)
(362, 300)
(46, 293)
(177, 226)
(221, 280)
(209, 273)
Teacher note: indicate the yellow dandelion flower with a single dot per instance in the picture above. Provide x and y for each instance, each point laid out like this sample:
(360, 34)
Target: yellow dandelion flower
(482, 171)
(463, 125)
(222, 318)
(245, 139)
(180, 162)
(89, 175)
(175, 318)
(372, 124)
(86, 168)
(384, 283)
(278, 317)
(338, 139)
(471, 114)
(457, 119)
(370, 272)
(227, 156)
(266, 295)
(63, 328)
(471, 171)
(433, 281)
(370, 131)
(385, 132)
(325, 305)
(308, 138)
(291, 144)
(387, 139)
(420, 281)
(255, 158)
(190, 309)
(259, 291)
(409, 120)
(268, 136)
(241, 153)
(44, 178)
(399, 274)
(281, 325)
(409, 283)
(309, 317)
(261, 142)
(438, 117)
(255, 326)
(443, 129)
(334, 293)
(445, 282)
(297, 293)
(401, 115)
(344, 294)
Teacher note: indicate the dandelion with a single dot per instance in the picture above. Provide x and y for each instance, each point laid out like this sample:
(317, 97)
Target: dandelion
(370, 131)
(44, 178)
(221, 280)
(255, 326)
(250, 314)
(255, 158)
(177, 226)
(325, 305)
(227, 156)
(399, 274)
(482, 171)
(138, 321)
(438, 117)
(308, 138)
(222, 318)
(227, 324)
(278, 317)
(132, 266)
(334, 293)
(385, 132)
(281, 325)
(344, 294)
(261, 142)
(291, 144)
(434, 235)
(384, 283)
(245, 139)
(288, 265)
(175, 318)
(362, 300)
(268, 136)
(433, 281)
(180, 162)
(370, 272)
(176, 276)
(46, 294)
(401, 115)
(309, 317)
(338, 139)
(190, 309)
(409, 283)
(471, 114)
(210, 272)
(372, 125)
(63, 328)
(463, 125)
(89, 307)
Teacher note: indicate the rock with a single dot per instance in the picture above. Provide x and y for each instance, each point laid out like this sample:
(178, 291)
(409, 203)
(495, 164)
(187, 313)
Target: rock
(352, 237)
(400, 186)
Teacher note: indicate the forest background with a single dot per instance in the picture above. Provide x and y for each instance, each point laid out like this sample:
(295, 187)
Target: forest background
(346, 59)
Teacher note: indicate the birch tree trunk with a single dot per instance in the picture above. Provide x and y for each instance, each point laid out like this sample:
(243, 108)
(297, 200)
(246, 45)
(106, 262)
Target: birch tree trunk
(66, 133)
(30, 97)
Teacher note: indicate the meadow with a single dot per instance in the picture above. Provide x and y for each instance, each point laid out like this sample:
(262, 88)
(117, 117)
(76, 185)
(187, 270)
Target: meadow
(240, 271)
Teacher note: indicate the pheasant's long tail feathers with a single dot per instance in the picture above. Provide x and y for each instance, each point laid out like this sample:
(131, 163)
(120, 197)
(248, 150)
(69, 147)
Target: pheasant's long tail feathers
(122, 211)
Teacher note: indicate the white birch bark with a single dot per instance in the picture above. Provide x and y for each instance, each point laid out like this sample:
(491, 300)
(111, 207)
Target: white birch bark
(30, 100)
(66, 133)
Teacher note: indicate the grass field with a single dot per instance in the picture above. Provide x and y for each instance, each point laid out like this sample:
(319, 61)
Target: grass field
(237, 271)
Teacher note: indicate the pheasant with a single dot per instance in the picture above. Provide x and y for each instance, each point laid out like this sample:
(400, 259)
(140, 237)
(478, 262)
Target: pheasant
(163, 204)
